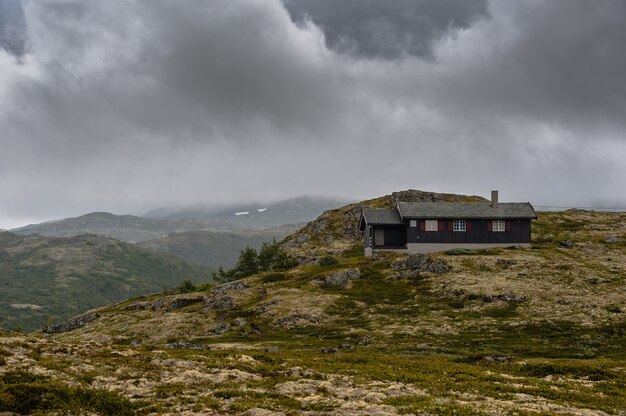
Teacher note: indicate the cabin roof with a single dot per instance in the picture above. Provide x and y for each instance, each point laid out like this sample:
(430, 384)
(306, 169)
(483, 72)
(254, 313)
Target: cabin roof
(380, 217)
(465, 210)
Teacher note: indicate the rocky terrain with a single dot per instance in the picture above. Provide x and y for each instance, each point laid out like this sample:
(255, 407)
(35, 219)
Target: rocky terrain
(526, 331)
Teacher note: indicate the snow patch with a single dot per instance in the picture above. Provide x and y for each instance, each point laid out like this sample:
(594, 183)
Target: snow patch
(242, 213)
(261, 209)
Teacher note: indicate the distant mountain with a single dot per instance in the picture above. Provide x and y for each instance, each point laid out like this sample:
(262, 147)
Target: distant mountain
(43, 278)
(127, 228)
(214, 248)
(254, 215)
(165, 221)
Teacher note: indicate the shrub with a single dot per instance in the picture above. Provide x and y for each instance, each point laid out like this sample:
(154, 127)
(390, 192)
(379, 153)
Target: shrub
(328, 261)
(186, 286)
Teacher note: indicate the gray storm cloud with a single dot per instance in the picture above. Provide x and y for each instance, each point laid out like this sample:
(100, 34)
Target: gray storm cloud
(130, 105)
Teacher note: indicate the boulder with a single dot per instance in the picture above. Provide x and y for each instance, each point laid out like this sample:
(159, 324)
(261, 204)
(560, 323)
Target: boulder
(341, 278)
(222, 328)
(567, 243)
(71, 324)
(437, 266)
(187, 346)
(505, 263)
(611, 239)
(220, 301)
(179, 303)
(240, 322)
(365, 340)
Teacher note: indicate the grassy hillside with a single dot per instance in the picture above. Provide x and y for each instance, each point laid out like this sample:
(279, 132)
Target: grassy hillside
(536, 331)
(211, 248)
(45, 279)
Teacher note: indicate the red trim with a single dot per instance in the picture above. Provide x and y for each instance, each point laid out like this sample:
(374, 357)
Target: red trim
(422, 225)
(450, 225)
(507, 225)
(441, 225)
(468, 225)
(490, 225)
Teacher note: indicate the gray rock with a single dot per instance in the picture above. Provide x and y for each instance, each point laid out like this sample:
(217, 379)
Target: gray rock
(341, 277)
(158, 304)
(180, 303)
(365, 340)
(272, 349)
(498, 358)
(227, 287)
(611, 239)
(187, 346)
(240, 322)
(138, 306)
(222, 328)
(135, 343)
(506, 263)
(567, 243)
(437, 266)
(329, 350)
(412, 261)
(220, 301)
(71, 324)
(346, 346)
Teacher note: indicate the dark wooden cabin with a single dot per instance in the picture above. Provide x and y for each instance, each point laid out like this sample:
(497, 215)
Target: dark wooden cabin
(426, 227)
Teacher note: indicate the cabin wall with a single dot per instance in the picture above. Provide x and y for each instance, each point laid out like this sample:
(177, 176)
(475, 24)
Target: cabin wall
(389, 235)
(518, 234)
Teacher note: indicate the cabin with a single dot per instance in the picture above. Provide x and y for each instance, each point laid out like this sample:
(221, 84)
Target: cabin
(428, 227)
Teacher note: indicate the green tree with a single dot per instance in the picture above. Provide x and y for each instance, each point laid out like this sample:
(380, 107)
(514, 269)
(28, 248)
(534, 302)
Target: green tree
(267, 255)
(248, 263)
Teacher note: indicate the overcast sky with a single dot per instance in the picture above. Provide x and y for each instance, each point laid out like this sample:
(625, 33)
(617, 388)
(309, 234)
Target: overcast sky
(130, 105)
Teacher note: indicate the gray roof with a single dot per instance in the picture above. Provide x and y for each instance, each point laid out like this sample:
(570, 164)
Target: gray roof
(463, 210)
(382, 216)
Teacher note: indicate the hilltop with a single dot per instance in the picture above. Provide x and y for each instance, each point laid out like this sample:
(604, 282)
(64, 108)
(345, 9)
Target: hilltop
(46, 279)
(337, 230)
(501, 331)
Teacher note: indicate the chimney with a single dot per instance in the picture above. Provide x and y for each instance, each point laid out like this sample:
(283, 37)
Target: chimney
(494, 199)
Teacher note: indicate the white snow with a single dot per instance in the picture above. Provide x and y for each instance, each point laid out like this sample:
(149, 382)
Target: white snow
(242, 213)
(262, 209)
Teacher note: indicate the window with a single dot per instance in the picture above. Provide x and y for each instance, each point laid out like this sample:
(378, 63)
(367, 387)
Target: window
(498, 225)
(431, 225)
(458, 225)
(413, 223)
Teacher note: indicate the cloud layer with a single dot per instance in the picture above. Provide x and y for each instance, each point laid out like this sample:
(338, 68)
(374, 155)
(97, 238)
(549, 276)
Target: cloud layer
(129, 105)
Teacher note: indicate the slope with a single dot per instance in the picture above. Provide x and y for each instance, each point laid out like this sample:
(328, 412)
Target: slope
(212, 248)
(500, 331)
(49, 279)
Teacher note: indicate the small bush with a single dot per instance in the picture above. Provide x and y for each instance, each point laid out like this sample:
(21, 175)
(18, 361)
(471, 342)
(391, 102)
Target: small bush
(186, 286)
(328, 261)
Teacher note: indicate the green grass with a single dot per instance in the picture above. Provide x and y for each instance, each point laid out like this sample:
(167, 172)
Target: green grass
(26, 393)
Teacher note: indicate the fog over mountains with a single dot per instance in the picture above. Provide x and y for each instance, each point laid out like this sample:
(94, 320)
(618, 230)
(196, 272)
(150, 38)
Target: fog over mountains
(126, 105)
